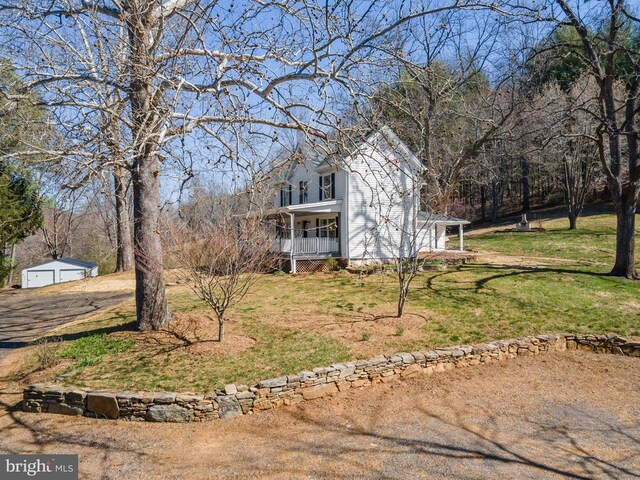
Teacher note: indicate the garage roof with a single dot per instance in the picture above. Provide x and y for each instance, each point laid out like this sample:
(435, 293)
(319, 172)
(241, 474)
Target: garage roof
(71, 261)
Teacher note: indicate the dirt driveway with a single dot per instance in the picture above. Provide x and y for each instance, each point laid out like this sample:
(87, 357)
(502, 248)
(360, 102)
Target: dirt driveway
(26, 315)
(573, 415)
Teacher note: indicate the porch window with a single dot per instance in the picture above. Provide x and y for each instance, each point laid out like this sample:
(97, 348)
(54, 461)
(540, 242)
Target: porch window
(328, 228)
(304, 192)
(327, 186)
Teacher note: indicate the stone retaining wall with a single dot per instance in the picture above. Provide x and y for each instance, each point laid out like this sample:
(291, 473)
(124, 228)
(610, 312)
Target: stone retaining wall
(237, 400)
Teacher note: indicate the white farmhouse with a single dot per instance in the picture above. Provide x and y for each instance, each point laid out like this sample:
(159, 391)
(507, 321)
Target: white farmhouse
(362, 208)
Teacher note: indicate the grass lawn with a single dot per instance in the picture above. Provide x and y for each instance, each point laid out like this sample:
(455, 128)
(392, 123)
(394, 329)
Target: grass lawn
(291, 323)
(594, 241)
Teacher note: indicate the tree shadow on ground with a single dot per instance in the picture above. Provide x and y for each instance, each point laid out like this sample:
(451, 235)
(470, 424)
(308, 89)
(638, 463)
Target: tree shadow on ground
(459, 444)
(129, 326)
(490, 272)
(104, 447)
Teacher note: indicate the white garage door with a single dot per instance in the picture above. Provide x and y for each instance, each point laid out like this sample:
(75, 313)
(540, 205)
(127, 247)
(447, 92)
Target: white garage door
(40, 278)
(71, 274)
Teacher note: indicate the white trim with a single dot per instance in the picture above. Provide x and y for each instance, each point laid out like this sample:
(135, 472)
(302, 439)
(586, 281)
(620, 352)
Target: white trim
(385, 131)
(325, 206)
(329, 168)
(345, 244)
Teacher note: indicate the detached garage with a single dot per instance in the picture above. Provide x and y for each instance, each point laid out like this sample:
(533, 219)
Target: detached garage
(58, 271)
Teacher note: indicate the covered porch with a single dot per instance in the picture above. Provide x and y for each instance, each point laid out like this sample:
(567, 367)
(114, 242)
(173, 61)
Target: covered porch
(308, 231)
(440, 223)
(309, 246)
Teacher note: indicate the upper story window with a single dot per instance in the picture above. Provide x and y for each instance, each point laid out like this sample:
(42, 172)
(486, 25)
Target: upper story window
(327, 185)
(303, 192)
(286, 196)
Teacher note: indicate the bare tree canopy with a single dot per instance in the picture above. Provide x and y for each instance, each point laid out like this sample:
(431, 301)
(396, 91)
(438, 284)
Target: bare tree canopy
(181, 69)
(611, 56)
(151, 91)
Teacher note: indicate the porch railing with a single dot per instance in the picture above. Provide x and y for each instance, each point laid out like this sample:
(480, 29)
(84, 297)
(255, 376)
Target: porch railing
(309, 245)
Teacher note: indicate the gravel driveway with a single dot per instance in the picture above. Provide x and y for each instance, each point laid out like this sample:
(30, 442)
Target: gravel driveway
(573, 415)
(26, 315)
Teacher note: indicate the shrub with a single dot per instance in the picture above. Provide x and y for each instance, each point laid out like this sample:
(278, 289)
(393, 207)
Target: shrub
(46, 352)
(332, 264)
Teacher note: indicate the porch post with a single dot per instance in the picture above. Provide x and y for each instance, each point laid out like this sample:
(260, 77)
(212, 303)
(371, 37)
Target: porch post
(339, 233)
(292, 225)
(461, 236)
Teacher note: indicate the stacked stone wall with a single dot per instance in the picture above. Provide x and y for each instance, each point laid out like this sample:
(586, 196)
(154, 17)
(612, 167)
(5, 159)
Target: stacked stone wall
(235, 400)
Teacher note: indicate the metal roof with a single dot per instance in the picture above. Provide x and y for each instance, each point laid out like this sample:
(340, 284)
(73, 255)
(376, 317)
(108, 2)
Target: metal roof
(441, 219)
(71, 261)
(323, 206)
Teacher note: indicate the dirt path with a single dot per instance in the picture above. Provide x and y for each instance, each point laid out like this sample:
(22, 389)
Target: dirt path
(496, 258)
(574, 415)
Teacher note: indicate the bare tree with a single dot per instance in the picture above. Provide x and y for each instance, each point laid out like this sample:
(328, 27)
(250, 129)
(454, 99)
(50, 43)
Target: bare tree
(442, 102)
(566, 132)
(388, 182)
(64, 210)
(617, 132)
(224, 255)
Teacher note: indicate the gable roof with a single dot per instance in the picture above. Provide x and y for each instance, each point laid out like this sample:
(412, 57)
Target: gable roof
(68, 260)
(285, 169)
(399, 146)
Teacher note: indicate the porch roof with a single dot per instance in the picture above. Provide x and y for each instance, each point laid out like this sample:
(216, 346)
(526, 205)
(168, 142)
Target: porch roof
(440, 219)
(325, 206)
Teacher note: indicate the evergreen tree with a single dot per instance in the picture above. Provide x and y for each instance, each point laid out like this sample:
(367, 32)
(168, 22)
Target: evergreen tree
(20, 205)
(20, 211)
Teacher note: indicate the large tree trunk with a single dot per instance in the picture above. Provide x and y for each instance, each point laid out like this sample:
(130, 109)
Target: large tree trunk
(625, 239)
(151, 301)
(124, 247)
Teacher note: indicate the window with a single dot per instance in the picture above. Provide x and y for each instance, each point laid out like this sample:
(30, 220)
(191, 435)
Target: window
(285, 196)
(327, 185)
(328, 228)
(304, 192)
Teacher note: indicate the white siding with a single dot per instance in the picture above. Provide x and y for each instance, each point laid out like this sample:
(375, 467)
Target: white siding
(55, 271)
(307, 172)
(427, 237)
(441, 237)
(382, 204)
